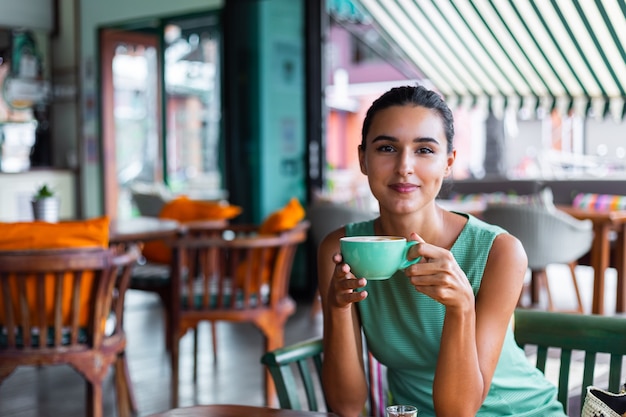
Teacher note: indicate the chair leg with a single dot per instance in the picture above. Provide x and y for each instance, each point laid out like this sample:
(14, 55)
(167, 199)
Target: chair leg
(272, 342)
(94, 399)
(214, 340)
(126, 404)
(165, 304)
(579, 301)
(195, 354)
(542, 280)
(535, 286)
(174, 352)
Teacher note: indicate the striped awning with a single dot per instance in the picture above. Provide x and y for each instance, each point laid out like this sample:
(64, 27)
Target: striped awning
(563, 54)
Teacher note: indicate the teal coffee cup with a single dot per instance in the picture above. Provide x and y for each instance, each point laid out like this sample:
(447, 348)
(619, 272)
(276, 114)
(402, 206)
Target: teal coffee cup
(376, 257)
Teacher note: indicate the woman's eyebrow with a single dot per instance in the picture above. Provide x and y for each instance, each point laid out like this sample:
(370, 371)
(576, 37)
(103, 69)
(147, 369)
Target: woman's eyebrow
(426, 139)
(384, 137)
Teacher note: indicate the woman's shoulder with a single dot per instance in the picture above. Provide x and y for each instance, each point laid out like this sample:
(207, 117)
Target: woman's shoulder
(478, 225)
(360, 228)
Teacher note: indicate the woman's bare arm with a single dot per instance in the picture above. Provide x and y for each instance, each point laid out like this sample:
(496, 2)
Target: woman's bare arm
(343, 374)
(474, 327)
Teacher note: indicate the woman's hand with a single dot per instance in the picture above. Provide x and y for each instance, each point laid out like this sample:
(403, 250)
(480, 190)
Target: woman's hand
(439, 276)
(343, 288)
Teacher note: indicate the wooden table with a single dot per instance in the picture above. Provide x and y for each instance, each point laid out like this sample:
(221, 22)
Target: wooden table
(603, 223)
(227, 410)
(142, 229)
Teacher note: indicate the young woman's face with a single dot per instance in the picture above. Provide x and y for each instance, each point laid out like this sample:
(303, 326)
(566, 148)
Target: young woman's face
(405, 157)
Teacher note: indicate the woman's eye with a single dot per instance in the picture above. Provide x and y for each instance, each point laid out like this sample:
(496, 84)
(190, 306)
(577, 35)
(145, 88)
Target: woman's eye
(385, 148)
(424, 150)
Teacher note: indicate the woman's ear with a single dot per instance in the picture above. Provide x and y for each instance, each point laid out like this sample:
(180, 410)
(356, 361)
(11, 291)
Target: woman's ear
(362, 164)
(450, 163)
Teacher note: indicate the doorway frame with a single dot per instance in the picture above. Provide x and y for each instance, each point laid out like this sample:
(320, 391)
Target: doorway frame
(108, 38)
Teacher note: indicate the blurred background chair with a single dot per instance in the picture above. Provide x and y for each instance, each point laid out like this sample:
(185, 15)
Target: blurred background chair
(549, 236)
(239, 276)
(149, 198)
(326, 216)
(600, 340)
(155, 276)
(66, 306)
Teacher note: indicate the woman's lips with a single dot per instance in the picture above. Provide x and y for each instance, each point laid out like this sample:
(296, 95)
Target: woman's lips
(404, 187)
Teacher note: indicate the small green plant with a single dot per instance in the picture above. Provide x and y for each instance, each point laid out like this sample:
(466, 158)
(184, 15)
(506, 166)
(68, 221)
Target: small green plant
(43, 192)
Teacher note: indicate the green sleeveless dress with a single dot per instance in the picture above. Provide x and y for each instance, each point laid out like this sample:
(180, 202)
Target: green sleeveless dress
(403, 328)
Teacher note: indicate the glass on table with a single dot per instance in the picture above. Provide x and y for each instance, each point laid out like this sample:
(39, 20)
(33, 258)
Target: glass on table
(401, 411)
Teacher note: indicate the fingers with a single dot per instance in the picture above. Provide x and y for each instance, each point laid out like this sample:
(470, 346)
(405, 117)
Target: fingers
(345, 287)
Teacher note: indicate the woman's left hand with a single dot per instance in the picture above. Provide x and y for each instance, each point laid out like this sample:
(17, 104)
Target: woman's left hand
(439, 276)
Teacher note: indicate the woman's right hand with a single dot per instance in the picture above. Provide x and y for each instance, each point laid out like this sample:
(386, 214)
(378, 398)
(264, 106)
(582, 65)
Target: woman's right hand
(344, 286)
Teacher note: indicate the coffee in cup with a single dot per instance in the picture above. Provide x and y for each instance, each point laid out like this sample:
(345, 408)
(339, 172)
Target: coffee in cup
(376, 257)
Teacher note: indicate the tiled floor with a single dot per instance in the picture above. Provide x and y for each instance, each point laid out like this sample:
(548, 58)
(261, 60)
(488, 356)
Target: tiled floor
(235, 378)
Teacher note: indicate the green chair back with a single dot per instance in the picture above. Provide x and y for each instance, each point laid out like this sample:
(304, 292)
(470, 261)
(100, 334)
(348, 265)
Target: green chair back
(296, 371)
(593, 336)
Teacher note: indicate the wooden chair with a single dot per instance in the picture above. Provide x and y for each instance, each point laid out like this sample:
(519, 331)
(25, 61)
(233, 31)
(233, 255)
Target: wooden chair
(591, 336)
(296, 371)
(238, 276)
(154, 277)
(82, 322)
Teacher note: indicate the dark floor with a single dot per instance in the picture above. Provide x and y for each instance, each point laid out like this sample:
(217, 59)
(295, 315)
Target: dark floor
(237, 377)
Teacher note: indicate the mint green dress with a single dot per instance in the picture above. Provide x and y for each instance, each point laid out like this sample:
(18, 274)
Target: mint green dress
(403, 328)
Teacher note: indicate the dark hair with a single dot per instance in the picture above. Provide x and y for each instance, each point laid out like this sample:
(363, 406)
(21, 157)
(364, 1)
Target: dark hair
(415, 96)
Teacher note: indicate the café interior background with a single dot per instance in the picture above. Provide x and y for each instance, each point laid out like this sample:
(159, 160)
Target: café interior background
(235, 95)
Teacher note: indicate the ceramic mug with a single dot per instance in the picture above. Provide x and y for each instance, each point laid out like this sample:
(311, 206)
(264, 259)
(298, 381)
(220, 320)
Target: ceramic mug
(376, 257)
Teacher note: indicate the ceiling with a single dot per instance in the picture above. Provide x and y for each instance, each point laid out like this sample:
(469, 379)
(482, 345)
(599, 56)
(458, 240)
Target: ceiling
(563, 54)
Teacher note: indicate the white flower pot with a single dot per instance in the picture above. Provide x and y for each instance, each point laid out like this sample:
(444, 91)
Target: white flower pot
(46, 209)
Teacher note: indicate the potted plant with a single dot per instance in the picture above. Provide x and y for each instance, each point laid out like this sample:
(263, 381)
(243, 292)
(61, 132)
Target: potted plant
(45, 204)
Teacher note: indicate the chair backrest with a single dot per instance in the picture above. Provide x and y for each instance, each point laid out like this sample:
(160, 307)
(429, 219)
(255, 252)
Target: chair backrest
(591, 339)
(234, 268)
(296, 371)
(149, 198)
(547, 234)
(75, 287)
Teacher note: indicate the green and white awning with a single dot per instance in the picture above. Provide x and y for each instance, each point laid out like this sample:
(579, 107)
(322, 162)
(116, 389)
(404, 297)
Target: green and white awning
(564, 54)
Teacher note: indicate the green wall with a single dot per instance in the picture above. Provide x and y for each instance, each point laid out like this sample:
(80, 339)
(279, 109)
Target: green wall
(281, 77)
(264, 104)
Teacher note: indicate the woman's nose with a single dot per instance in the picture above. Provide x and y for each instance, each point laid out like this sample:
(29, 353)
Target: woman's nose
(405, 162)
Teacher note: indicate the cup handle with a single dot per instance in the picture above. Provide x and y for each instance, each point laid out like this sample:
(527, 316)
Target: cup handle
(408, 262)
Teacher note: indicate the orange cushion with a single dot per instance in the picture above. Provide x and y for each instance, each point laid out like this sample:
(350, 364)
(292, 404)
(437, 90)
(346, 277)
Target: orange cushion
(185, 210)
(279, 221)
(284, 219)
(43, 235)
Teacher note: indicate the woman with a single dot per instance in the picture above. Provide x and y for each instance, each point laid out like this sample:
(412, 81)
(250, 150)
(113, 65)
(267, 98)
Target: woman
(444, 332)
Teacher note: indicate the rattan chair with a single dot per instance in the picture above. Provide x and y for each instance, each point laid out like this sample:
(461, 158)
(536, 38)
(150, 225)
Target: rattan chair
(549, 236)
